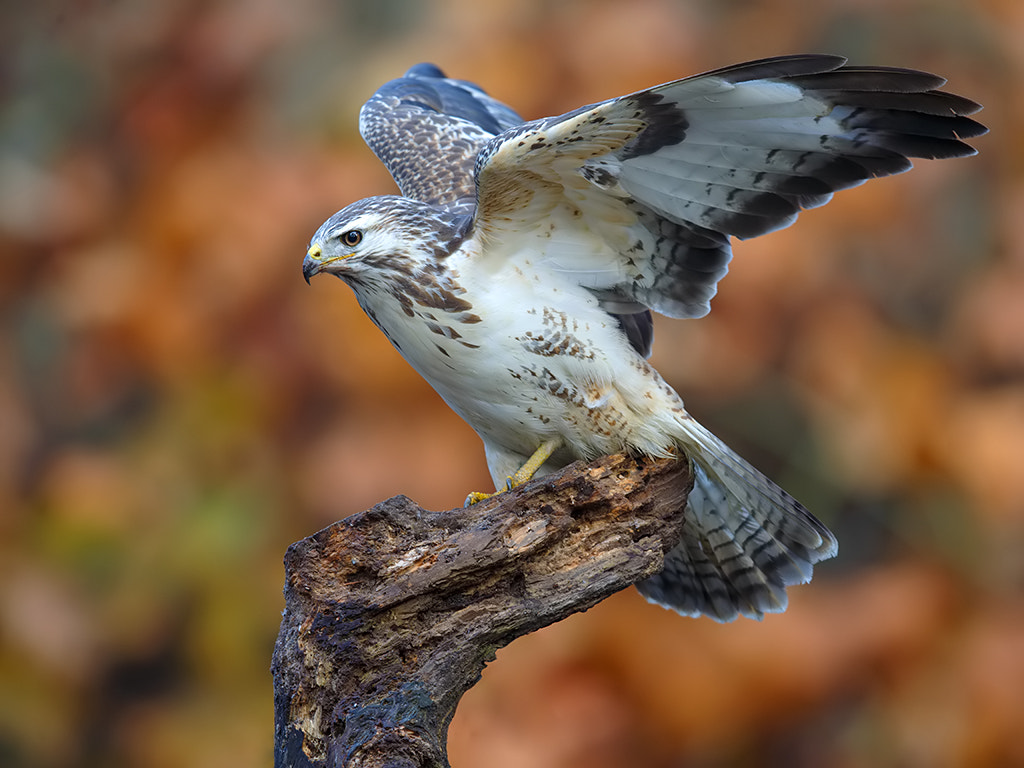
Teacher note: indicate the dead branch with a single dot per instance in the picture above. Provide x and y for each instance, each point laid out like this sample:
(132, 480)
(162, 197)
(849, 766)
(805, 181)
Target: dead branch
(391, 614)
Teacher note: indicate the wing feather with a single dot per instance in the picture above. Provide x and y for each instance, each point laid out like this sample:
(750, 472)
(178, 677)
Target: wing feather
(667, 175)
(646, 190)
(428, 130)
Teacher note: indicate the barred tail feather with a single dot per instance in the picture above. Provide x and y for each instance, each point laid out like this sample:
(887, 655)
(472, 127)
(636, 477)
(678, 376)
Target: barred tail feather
(744, 540)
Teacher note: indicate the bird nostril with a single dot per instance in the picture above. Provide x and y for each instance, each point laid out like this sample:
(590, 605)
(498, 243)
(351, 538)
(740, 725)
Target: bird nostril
(314, 252)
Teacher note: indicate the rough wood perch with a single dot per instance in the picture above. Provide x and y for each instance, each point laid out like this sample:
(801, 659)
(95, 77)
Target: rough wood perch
(391, 614)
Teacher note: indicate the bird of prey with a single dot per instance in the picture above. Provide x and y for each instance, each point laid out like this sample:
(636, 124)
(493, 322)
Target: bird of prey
(518, 270)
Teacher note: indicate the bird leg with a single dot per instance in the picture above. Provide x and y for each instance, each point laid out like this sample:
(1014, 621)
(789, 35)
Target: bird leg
(524, 473)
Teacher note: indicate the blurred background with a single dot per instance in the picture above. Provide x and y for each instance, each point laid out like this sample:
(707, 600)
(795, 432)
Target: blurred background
(177, 406)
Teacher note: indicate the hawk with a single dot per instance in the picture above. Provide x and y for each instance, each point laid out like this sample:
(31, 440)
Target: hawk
(518, 270)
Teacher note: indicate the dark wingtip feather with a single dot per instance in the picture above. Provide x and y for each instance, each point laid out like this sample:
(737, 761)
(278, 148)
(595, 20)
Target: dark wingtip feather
(779, 66)
(938, 103)
(858, 78)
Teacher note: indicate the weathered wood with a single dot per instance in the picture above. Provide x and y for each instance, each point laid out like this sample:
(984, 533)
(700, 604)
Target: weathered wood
(391, 614)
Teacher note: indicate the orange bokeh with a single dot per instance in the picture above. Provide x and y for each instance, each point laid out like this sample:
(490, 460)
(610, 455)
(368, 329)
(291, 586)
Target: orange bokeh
(177, 406)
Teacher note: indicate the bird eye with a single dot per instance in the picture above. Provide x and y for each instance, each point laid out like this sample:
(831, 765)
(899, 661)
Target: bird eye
(352, 237)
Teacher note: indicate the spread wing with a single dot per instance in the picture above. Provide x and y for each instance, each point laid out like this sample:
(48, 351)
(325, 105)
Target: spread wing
(647, 189)
(428, 130)
(637, 197)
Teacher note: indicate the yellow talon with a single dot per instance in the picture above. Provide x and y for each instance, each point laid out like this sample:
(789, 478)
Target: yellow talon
(476, 497)
(523, 474)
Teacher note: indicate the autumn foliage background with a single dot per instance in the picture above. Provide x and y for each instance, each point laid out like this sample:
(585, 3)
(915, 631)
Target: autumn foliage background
(177, 406)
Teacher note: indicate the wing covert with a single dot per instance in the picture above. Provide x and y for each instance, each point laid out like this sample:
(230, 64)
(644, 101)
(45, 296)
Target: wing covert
(428, 129)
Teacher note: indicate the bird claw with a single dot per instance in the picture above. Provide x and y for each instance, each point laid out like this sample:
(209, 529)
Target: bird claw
(523, 475)
(477, 496)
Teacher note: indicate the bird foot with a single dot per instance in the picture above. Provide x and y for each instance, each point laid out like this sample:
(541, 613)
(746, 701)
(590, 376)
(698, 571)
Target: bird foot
(523, 474)
(476, 497)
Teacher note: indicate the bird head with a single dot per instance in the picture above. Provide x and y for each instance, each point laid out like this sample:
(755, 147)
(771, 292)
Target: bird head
(353, 240)
(380, 236)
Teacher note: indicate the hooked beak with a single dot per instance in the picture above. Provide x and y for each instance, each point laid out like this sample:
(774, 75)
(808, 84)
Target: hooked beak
(312, 263)
(315, 263)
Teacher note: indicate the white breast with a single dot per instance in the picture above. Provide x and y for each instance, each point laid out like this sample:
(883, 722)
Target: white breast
(534, 357)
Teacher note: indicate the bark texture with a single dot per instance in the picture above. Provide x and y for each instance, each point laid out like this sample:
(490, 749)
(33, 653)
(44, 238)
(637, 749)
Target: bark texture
(391, 614)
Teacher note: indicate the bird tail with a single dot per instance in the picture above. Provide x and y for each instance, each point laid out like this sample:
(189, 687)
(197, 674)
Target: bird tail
(744, 540)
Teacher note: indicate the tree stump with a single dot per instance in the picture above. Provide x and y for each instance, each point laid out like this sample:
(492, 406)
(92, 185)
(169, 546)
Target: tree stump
(391, 614)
